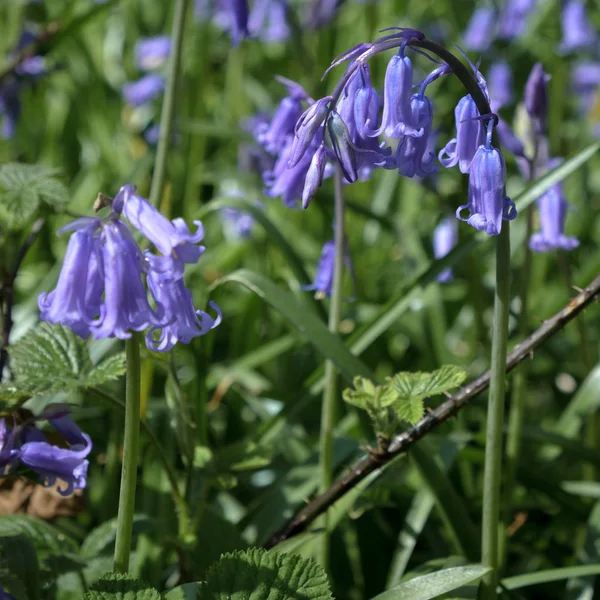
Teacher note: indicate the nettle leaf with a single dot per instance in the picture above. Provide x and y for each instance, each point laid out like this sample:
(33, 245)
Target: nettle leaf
(367, 395)
(119, 586)
(51, 358)
(256, 574)
(24, 187)
(410, 389)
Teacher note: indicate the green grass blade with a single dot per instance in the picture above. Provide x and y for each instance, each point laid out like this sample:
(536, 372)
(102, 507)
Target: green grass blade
(435, 584)
(521, 581)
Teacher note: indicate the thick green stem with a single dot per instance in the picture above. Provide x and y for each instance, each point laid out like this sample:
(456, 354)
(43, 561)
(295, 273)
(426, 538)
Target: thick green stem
(130, 455)
(495, 419)
(330, 390)
(168, 107)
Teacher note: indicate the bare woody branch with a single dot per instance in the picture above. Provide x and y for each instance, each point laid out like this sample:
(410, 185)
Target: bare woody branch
(402, 442)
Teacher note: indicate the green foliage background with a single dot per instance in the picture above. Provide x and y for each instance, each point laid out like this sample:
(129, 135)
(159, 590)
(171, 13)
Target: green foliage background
(236, 413)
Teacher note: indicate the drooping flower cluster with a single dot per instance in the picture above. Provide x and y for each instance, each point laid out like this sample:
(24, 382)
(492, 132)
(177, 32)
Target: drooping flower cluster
(24, 445)
(346, 129)
(101, 289)
(26, 73)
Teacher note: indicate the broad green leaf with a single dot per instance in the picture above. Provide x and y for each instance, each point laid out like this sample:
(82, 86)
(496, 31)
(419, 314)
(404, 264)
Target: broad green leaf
(24, 187)
(102, 538)
(307, 323)
(435, 584)
(527, 579)
(188, 591)
(45, 538)
(118, 586)
(256, 574)
(19, 557)
(51, 358)
(412, 388)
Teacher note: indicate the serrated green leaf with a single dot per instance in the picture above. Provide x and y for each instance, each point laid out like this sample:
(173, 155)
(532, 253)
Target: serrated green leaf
(119, 586)
(435, 584)
(51, 358)
(22, 189)
(188, 591)
(256, 574)
(19, 557)
(411, 389)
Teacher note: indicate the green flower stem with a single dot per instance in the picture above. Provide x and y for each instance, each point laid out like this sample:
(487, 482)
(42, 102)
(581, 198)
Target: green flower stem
(516, 417)
(330, 390)
(168, 106)
(495, 419)
(130, 455)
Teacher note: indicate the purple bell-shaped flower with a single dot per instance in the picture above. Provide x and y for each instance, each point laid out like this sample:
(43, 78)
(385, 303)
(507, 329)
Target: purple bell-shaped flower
(487, 204)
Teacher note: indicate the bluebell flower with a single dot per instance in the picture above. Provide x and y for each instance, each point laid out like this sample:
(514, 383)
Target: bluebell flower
(578, 33)
(101, 285)
(173, 238)
(8, 453)
(125, 307)
(396, 120)
(586, 76)
(28, 71)
(76, 300)
(445, 238)
(228, 15)
(151, 53)
(536, 97)
(343, 147)
(61, 466)
(323, 281)
(412, 156)
(487, 204)
(144, 90)
(470, 134)
(10, 108)
(318, 13)
(309, 123)
(272, 135)
(480, 31)
(366, 104)
(513, 18)
(500, 85)
(4, 595)
(314, 175)
(237, 224)
(268, 20)
(186, 323)
(552, 207)
(288, 182)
